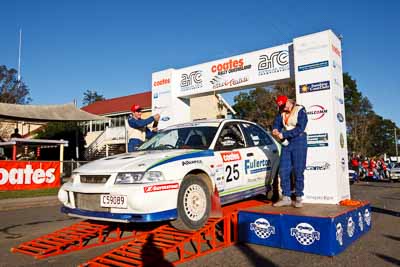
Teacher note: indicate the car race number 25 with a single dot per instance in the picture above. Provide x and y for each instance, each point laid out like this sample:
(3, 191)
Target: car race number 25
(231, 160)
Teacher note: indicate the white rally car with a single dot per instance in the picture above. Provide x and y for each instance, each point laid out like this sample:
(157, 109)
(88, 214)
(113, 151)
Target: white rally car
(174, 175)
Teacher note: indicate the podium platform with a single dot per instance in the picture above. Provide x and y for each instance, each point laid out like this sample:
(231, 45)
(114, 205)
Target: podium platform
(316, 228)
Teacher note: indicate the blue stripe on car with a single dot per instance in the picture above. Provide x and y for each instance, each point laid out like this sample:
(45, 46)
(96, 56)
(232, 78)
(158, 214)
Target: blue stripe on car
(205, 153)
(129, 217)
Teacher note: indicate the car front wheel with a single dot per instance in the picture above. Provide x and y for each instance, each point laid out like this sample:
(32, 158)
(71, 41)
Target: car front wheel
(194, 204)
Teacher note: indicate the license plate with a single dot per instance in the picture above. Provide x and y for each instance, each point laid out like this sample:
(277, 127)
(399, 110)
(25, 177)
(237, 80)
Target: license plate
(114, 201)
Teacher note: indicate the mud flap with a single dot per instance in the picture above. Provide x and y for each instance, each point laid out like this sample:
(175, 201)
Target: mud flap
(216, 210)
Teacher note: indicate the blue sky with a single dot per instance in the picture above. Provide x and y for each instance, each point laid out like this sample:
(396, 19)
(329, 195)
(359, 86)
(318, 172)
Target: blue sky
(114, 46)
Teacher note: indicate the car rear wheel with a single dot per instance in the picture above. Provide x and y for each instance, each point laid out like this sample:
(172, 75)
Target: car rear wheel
(194, 204)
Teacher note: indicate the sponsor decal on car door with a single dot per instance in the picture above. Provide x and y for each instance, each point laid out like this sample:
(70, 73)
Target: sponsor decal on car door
(233, 168)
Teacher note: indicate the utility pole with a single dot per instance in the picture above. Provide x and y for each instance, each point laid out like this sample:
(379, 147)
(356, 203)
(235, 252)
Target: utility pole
(395, 142)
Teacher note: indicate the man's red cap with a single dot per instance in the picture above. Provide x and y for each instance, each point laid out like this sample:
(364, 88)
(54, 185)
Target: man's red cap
(281, 100)
(136, 108)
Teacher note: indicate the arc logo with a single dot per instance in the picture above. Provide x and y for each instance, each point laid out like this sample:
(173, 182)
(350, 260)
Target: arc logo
(277, 61)
(262, 228)
(316, 112)
(191, 81)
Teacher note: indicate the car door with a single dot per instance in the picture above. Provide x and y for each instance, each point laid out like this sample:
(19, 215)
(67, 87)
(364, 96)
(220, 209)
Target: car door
(266, 157)
(231, 148)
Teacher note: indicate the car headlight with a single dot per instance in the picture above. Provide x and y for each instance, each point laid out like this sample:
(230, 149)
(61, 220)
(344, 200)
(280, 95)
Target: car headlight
(129, 177)
(74, 178)
(153, 176)
(138, 177)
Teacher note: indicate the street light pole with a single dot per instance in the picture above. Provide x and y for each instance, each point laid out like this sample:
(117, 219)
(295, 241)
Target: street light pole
(395, 142)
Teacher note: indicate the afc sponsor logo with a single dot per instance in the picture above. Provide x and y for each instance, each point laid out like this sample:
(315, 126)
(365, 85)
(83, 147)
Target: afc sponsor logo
(161, 187)
(275, 62)
(162, 82)
(316, 112)
(27, 176)
(231, 156)
(191, 81)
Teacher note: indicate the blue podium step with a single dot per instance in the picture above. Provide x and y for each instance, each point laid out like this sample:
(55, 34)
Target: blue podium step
(316, 228)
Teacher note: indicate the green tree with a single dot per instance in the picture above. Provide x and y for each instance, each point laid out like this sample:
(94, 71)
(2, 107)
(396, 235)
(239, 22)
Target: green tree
(90, 97)
(12, 90)
(258, 105)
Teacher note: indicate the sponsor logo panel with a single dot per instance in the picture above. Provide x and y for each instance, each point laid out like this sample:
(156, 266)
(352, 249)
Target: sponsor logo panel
(256, 166)
(219, 82)
(161, 82)
(262, 228)
(230, 66)
(315, 65)
(23, 175)
(231, 156)
(318, 166)
(191, 81)
(316, 112)
(314, 87)
(275, 62)
(305, 234)
(317, 140)
(161, 187)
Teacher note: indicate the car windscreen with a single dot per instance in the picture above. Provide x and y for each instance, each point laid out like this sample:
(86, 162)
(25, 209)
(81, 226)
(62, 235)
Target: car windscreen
(182, 138)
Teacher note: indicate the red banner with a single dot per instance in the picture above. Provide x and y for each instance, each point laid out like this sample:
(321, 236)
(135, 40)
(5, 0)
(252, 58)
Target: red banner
(26, 175)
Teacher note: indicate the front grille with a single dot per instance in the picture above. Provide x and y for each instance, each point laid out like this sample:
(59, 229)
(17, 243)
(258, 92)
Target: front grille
(89, 202)
(94, 179)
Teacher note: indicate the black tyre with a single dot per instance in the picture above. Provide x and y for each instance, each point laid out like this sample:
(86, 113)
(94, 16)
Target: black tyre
(194, 204)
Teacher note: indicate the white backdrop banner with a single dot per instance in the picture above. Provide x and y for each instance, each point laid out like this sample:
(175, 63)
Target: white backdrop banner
(317, 73)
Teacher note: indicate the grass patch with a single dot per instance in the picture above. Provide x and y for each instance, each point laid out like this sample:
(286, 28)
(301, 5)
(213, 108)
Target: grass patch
(29, 193)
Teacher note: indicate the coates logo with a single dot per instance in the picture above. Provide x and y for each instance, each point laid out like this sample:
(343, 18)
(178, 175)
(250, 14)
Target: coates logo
(272, 63)
(161, 187)
(336, 51)
(233, 65)
(316, 112)
(20, 175)
(231, 156)
(218, 82)
(191, 81)
(161, 82)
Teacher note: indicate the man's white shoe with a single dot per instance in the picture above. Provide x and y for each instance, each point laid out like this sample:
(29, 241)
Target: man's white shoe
(298, 203)
(284, 202)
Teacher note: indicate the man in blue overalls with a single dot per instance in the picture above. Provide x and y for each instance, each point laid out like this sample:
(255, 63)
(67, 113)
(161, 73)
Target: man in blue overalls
(138, 131)
(289, 126)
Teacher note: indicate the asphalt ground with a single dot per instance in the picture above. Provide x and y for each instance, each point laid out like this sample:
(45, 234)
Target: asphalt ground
(379, 247)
